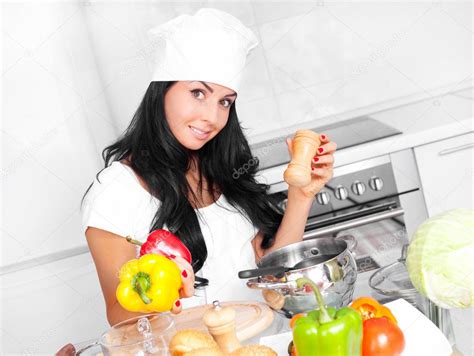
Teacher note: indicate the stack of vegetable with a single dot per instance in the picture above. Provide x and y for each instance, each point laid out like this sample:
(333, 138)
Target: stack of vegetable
(152, 282)
(364, 328)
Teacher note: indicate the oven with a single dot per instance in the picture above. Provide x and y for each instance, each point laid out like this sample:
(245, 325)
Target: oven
(378, 201)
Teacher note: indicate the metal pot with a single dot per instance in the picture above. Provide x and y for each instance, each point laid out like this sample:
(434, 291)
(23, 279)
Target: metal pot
(327, 261)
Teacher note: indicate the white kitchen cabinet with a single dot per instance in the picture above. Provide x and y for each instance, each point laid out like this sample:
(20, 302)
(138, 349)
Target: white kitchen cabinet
(446, 172)
(50, 305)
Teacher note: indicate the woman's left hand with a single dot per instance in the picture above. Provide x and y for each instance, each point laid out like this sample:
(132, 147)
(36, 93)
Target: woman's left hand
(321, 166)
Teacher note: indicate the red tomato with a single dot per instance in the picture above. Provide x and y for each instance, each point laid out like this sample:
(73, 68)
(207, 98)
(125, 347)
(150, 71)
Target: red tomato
(382, 337)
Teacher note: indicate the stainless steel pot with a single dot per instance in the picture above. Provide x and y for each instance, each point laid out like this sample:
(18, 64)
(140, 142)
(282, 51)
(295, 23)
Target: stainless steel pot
(334, 271)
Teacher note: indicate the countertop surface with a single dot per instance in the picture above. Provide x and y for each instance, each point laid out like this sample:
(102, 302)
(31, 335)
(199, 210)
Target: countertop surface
(420, 122)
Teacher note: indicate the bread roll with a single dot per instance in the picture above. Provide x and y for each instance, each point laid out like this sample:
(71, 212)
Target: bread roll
(254, 350)
(207, 351)
(185, 342)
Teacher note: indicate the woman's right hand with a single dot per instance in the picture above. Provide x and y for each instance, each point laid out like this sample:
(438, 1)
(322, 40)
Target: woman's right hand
(187, 276)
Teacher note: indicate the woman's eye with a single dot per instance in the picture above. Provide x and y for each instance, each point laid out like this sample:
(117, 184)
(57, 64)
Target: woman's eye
(198, 94)
(226, 103)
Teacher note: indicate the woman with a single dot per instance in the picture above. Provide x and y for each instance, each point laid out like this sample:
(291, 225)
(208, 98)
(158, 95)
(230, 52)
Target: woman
(174, 168)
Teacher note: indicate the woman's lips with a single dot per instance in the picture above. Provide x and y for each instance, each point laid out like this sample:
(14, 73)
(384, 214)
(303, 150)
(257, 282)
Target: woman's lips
(199, 134)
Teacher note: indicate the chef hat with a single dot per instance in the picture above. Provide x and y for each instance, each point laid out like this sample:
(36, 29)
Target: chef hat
(210, 46)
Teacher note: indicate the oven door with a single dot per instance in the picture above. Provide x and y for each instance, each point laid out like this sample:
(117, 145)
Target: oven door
(378, 227)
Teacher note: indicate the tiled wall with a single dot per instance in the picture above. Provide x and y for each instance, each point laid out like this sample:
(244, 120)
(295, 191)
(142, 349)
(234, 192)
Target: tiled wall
(55, 122)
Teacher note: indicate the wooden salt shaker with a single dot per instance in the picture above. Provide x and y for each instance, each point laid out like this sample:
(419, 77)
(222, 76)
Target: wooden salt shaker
(305, 145)
(220, 322)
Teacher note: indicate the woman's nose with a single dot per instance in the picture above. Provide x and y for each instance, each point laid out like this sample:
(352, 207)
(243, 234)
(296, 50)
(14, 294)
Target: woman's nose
(212, 113)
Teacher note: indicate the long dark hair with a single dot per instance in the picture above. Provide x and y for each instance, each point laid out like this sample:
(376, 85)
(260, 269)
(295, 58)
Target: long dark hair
(225, 162)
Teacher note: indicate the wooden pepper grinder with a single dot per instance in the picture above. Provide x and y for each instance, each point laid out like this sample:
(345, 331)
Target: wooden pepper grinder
(305, 145)
(220, 322)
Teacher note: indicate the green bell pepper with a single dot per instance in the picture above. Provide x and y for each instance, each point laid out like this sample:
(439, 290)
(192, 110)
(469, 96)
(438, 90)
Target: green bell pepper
(327, 331)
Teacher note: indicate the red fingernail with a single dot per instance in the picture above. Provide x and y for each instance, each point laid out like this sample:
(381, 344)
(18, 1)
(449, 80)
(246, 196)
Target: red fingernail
(323, 137)
(184, 273)
(315, 159)
(172, 257)
(177, 303)
(312, 169)
(320, 150)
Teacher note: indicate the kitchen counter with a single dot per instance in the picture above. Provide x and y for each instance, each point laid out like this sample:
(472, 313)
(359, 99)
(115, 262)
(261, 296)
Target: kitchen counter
(417, 329)
(420, 122)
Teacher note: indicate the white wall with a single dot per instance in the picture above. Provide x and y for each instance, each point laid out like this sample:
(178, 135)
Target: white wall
(74, 72)
(55, 123)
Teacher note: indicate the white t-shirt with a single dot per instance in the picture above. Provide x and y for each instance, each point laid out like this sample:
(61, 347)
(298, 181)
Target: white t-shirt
(119, 204)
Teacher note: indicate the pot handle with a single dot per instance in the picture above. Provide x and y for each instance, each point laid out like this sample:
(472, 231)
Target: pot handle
(265, 271)
(350, 240)
(256, 284)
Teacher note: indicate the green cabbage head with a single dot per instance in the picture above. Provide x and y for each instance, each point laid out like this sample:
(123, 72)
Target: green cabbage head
(440, 259)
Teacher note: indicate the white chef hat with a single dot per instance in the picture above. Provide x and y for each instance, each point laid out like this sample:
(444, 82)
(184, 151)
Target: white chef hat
(210, 46)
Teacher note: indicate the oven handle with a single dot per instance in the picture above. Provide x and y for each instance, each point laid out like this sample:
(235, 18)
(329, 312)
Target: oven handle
(354, 223)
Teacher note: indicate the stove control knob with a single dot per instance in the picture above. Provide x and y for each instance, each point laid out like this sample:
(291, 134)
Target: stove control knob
(358, 187)
(376, 183)
(341, 192)
(323, 198)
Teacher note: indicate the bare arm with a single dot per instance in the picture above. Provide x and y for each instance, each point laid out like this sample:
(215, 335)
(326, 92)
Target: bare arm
(292, 225)
(299, 203)
(109, 252)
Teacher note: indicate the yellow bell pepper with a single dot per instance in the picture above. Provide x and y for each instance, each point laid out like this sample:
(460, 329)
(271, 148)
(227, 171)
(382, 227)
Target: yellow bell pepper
(149, 284)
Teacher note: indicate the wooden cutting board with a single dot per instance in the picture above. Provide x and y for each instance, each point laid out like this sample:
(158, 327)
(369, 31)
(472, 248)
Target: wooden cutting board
(252, 318)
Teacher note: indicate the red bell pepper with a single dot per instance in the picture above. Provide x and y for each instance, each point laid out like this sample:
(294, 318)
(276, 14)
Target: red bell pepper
(162, 242)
